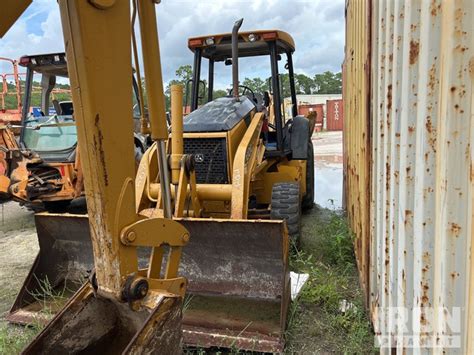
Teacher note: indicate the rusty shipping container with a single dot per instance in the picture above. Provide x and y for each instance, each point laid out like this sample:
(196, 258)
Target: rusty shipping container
(305, 110)
(408, 144)
(334, 115)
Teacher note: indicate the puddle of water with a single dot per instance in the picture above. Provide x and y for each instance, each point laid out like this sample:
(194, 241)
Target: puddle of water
(328, 178)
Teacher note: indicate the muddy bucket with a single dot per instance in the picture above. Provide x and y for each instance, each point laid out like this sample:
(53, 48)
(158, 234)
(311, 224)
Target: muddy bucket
(89, 324)
(239, 285)
(237, 271)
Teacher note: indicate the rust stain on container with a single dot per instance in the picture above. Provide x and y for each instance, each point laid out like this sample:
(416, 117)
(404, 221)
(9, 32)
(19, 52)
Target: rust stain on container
(407, 139)
(414, 51)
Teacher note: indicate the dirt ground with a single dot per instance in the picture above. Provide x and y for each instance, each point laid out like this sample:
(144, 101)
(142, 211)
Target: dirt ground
(18, 249)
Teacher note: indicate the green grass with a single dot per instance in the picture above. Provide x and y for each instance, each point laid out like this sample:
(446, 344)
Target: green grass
(316, 323)
(14, 338)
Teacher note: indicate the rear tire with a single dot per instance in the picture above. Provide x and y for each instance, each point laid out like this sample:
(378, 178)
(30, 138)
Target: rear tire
(286, 205)
(308, 198)
(59, 206)
(78, 206)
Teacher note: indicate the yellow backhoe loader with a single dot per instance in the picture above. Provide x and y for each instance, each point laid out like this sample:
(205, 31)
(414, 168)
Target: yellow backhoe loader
(236, 166)
(237, 172)
(124, 308)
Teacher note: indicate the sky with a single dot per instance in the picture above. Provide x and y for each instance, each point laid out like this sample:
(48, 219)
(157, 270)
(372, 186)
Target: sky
(317, 27)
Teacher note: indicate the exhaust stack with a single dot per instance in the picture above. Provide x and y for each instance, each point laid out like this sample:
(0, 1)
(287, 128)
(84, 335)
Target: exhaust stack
(235, 58)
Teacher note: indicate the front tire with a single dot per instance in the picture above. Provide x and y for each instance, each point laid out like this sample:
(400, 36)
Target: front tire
(286, 205)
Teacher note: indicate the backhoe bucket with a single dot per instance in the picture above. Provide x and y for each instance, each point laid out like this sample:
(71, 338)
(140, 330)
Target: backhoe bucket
(89, 324)
(237, 271)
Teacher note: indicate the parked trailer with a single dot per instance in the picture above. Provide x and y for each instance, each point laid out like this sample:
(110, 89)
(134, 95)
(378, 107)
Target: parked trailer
(408, 143)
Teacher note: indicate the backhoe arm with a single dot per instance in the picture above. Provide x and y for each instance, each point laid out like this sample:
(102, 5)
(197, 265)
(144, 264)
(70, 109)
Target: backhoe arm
(140, 306)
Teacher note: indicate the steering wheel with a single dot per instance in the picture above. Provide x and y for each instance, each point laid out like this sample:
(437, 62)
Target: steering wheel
(245, 90)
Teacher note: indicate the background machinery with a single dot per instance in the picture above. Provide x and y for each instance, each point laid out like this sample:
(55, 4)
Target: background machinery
(44, 167)
(10, 95)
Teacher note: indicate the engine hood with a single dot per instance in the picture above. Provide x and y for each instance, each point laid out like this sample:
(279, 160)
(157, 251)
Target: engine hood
(219, 115)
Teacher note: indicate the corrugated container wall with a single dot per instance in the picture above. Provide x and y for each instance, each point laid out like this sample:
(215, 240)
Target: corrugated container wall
(408, 96)
(357, 129)
(334, 115)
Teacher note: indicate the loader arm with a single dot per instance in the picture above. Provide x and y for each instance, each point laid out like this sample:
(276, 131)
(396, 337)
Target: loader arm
(120, 299)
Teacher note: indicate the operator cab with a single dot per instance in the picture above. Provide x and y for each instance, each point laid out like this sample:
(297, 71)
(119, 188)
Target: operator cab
(48, 125)
(218, 48)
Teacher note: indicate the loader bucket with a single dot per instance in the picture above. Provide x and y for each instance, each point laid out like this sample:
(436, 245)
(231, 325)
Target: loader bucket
(237, 271)
(89, 324)
(239, 284)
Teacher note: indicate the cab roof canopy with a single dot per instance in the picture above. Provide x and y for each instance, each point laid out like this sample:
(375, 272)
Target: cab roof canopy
(252, 43)
(53, 64)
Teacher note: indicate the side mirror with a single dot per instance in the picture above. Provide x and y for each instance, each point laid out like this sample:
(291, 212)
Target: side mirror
(228, 62)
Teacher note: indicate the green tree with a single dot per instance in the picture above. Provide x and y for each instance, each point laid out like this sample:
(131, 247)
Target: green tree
(183, 74)
(328, 83)
(219, 93)
(257, 85)
(304, 84)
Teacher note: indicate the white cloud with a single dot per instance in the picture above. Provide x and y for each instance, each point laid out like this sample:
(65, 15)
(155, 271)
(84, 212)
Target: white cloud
(316, 25)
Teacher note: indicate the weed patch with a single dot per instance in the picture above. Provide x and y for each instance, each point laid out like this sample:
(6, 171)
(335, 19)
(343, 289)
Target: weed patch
(14, 339)
(317, 322)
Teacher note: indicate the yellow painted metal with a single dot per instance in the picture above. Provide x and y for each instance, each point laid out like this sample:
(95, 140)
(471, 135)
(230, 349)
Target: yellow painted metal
(205, 135)
(166, 232)
(110, 190)
(176, 131)
(286, 171)
(152, 65)
(210, 192)
(144, 126)
(357, 144)
(101, 138)
(147, 170)
(234, 137)
(244, 163)
(102, 4)
(11, 10)
(187, 182)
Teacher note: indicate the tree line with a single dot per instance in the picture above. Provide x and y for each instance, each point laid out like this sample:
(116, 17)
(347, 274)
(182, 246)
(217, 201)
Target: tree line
(11, 101)
(324, 83)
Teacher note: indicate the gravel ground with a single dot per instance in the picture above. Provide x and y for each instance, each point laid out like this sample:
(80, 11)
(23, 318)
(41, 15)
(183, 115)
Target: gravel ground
(18, 248)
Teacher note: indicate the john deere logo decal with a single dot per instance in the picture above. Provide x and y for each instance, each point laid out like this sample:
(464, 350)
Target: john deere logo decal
(199, 158)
